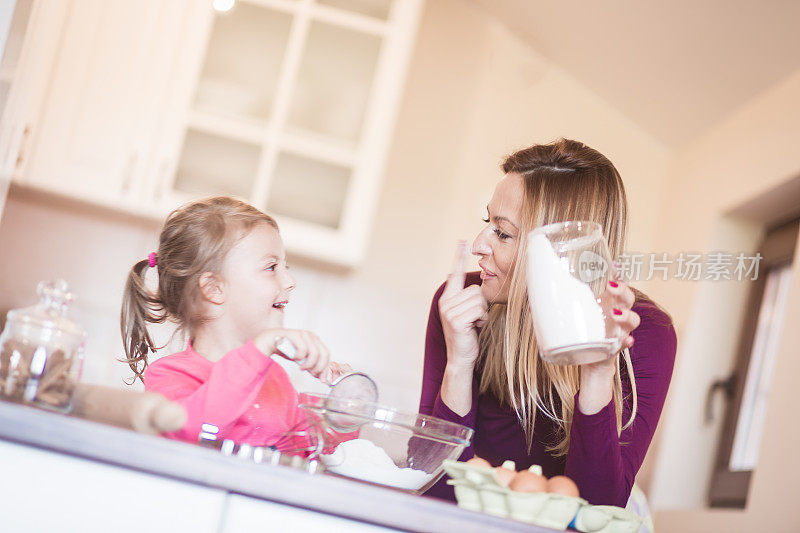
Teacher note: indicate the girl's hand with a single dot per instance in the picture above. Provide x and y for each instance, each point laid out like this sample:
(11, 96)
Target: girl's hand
(310, 353)
(335, 371)
(461, 310)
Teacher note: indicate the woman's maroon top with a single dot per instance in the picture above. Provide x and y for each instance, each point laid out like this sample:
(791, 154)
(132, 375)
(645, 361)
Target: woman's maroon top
(603, 465)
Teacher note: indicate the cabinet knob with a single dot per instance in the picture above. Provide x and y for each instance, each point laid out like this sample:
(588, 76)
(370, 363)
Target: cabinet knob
(23, 146)
(7, 138)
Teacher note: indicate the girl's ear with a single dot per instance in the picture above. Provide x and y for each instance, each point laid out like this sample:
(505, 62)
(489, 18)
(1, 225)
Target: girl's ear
(212, 288)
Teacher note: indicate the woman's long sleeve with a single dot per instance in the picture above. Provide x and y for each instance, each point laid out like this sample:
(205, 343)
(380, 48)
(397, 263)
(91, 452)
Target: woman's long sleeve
(603, 465)
(433, 373)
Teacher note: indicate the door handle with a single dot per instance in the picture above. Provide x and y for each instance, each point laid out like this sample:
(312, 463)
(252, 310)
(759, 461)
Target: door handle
(725, 385)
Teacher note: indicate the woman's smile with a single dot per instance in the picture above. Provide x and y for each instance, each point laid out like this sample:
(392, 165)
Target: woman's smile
(486, 274)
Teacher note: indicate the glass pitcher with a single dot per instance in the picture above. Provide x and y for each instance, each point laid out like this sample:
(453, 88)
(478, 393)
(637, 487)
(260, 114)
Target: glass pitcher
(41, 351)
(569, 266)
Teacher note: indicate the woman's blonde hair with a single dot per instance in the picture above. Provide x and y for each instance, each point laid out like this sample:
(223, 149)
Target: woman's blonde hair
(195, 239)
(564, 180)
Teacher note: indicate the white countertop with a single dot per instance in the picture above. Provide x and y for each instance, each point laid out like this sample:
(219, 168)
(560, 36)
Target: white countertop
(209, 468)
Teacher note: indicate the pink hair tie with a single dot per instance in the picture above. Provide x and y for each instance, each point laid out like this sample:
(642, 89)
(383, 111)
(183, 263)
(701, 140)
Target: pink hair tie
(152, 260)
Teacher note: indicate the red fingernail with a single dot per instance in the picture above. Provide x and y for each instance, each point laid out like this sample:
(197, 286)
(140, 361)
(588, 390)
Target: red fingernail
(613, 284)
(632, 340)
(617, 312)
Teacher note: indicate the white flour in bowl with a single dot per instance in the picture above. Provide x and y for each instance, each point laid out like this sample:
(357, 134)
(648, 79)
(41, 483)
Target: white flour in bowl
(361, 459)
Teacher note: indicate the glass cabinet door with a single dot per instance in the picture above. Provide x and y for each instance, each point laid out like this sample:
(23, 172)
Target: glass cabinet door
(243, 62)
(232, 103)
(211, 164)
(309, 190)
(283, 92)
(333, 83)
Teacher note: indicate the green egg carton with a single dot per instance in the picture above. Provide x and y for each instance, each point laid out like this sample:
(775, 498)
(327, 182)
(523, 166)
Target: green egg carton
(494, 500)
(478, 489)
(555, 511)
(467, 494)
(608, 519)
(477, 475)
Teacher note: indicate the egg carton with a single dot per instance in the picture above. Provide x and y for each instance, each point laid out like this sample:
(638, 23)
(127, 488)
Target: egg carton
(477, 488)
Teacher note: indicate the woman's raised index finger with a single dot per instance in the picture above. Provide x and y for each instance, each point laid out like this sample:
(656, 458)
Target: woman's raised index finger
(455, 281)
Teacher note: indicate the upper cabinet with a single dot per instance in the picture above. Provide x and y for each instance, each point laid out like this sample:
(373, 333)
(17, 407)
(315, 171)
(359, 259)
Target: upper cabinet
(289, 104)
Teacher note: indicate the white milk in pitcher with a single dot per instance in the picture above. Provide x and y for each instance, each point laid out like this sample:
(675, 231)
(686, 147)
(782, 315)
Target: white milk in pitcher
(568, 320)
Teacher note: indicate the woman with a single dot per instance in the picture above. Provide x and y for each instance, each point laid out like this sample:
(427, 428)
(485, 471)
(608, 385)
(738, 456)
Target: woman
(592, 423)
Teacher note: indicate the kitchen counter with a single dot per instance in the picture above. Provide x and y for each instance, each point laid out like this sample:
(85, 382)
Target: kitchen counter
(295, 490)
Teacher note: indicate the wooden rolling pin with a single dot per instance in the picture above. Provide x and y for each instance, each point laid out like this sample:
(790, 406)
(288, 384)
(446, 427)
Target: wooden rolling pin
(145, 412)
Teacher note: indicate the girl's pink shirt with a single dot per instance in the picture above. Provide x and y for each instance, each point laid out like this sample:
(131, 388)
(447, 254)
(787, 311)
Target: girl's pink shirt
(246, 394)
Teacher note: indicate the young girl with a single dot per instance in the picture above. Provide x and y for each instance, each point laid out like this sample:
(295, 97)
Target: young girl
(222, 276)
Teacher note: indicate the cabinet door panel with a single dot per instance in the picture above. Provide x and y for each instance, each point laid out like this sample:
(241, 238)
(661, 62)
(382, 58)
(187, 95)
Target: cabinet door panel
(243, 62)
(48, 491)
(334, 82)
(27, 61)
(211, 164)
(309, 190)
(90, 144)
(249, 514)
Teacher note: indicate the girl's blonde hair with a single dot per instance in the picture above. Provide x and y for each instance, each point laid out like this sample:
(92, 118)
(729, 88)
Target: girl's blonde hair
(564, 180)
(195, 239)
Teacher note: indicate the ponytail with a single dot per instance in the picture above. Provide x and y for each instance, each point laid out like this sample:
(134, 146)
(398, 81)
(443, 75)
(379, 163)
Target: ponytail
(139, 307)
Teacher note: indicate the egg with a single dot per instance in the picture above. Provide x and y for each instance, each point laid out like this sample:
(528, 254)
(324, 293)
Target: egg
(527, 481)
(504, 475)
(477, 461)
(562, 485)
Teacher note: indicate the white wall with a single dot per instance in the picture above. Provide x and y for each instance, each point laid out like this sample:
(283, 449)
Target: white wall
(750, 159)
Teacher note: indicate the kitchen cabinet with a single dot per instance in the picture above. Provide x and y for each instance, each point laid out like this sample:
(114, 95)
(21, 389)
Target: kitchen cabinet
(288, 104)
(43, 491)
(251, 514)
(104, 98)
(62, 473)
(88, 496)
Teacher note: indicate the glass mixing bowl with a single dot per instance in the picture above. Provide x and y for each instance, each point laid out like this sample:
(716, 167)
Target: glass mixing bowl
(381, 445)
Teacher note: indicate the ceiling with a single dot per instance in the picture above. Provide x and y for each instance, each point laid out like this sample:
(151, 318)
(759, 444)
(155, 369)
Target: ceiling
(676, 67)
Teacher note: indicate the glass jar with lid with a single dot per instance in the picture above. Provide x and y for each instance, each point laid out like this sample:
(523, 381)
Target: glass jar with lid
(41, 351)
